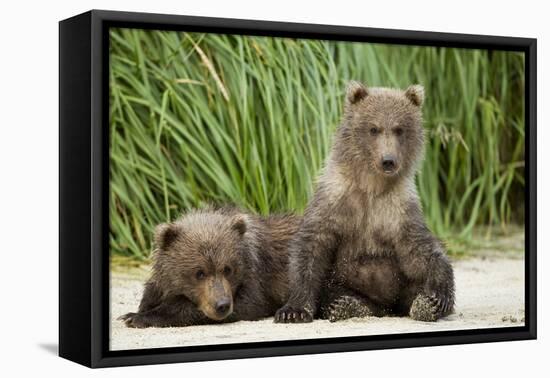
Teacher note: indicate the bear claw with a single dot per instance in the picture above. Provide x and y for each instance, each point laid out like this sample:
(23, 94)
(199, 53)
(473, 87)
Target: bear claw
(289, 314)
(132, 320)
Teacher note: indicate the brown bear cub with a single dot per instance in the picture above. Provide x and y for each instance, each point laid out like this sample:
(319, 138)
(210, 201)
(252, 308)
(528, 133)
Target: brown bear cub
(363, 245)
(216, 265)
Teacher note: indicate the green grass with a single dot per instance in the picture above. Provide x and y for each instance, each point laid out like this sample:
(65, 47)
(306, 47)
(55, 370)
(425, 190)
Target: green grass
(197, 118)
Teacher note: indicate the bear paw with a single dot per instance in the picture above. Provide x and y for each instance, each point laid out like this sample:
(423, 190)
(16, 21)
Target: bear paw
(429, 308)
(347, 307)
(134, 320)
(289, 314)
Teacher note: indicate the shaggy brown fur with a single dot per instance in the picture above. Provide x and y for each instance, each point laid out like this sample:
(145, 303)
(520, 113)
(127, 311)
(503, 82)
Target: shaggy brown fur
(216, 266)
(363, 245)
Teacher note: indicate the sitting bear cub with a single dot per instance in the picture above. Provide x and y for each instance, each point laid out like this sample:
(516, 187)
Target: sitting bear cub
(216, 265)
(363, 239)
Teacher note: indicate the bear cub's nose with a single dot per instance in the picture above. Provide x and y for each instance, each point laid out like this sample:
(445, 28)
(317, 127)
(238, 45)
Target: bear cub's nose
(388, 163)
(222, 306)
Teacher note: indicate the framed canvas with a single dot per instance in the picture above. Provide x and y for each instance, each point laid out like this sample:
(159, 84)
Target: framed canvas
(235, 188)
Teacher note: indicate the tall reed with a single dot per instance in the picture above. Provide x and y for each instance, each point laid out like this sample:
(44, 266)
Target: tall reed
(197, 118)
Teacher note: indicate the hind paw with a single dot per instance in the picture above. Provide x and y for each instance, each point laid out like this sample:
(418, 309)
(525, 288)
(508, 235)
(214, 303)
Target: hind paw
(347, 307)
(429, 308)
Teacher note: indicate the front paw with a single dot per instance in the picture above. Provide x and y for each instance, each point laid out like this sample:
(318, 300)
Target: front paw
(429, 308)
(291, 314)
(134, 320)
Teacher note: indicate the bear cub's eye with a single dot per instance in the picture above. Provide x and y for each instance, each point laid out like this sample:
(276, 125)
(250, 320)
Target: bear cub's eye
(374, 131)
(398, 131)
(200, 275)
(227, 270)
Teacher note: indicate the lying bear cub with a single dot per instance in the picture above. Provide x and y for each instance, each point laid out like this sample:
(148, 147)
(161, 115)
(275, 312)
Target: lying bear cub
(216, 265)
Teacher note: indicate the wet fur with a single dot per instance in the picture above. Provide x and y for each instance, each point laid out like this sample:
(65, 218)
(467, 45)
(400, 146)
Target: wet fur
(255, 249)
(363, 232)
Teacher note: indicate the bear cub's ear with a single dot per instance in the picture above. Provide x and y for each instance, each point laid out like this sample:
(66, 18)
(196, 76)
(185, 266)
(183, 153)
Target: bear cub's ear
(415, 94)
(165, 235)
(239, 224)
(355, 92)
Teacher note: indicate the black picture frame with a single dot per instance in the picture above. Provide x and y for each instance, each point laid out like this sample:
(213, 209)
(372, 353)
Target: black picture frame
(84, 179)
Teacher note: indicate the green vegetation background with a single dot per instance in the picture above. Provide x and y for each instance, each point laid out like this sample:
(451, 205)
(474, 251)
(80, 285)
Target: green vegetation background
(199, 118)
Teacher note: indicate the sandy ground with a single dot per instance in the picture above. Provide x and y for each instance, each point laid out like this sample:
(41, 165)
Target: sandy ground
(490, 293)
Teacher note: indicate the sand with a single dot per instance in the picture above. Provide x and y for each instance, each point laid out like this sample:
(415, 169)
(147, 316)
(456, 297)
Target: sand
(490, 293)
